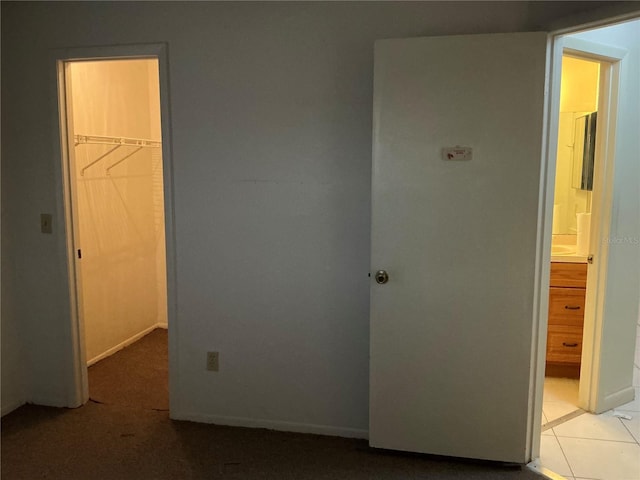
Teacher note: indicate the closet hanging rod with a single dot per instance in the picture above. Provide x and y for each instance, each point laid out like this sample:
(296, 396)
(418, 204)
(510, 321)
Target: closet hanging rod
(122, 160)
(117, 142)
(126, 141)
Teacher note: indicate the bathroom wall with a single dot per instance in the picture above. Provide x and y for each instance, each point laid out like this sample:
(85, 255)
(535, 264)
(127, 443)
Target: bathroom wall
(578, 96)
(119, 210)
(580, 83)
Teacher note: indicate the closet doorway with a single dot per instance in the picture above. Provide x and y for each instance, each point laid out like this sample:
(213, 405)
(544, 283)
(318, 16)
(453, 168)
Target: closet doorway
(115, 186)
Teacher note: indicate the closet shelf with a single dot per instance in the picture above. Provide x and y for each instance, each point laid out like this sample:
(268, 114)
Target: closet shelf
(117, 142)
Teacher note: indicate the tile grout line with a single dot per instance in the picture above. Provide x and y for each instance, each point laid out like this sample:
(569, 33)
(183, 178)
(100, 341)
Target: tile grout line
(549, 425)
(628, 430)
(598, 439)
(556, 422)
(566, 459)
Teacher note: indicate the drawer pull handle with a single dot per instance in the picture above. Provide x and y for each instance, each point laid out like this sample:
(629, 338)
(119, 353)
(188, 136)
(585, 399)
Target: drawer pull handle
(565, 344)
(571, 307)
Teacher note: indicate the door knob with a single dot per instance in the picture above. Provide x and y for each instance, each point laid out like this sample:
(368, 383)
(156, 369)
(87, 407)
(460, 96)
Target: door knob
(382, 277)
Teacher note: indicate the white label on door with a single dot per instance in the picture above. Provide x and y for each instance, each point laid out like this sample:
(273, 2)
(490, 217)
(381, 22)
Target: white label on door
(457, 153)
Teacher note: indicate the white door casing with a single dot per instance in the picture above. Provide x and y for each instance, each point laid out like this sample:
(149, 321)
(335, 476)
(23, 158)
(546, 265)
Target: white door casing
(78, 393)
(611, 311)
(76, 374)
(452, 332)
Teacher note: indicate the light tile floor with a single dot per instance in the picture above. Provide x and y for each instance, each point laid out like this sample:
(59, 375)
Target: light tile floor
(590, 447)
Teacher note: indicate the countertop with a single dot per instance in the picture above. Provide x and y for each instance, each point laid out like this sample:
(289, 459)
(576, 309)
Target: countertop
(569, 258)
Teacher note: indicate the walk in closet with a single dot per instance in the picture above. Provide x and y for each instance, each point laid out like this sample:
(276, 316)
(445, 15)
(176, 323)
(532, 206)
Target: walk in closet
(113, 110)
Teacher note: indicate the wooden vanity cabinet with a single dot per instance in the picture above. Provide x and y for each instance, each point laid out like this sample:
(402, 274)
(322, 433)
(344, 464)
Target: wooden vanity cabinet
(567, 292)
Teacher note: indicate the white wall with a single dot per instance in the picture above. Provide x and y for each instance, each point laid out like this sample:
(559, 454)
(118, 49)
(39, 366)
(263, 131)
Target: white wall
(121, 227)
(271, 128)
(14, 370)
(623, 275)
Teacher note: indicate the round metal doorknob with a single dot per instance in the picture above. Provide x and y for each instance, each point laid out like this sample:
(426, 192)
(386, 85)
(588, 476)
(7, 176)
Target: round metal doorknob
(381, 277)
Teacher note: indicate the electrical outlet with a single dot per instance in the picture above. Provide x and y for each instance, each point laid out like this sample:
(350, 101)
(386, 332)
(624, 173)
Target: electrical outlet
(212, 361)
(45, 223)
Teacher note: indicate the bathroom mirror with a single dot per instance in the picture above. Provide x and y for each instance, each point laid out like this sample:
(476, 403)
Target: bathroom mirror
(583, 151)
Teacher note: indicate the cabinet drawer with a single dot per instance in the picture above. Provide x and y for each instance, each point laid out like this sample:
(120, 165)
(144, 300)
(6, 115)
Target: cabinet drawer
(564, 344)
(566, 306)
(568, 275)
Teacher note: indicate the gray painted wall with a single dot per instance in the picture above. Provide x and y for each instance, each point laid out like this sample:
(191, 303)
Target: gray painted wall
(271, 129)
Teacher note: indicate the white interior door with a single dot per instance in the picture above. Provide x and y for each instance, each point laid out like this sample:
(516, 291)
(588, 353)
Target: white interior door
(451, 330)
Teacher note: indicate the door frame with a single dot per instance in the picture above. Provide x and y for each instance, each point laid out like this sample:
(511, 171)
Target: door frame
(76, 378)
(610, 57)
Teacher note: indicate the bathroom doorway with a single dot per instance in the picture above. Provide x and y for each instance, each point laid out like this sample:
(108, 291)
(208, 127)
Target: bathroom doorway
(585, 268)
(570, 252)
(594, 132)
(115, 191)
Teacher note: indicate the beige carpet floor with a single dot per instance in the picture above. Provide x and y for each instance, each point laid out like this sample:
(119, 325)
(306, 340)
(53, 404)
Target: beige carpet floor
(130, 437)
(136, 376)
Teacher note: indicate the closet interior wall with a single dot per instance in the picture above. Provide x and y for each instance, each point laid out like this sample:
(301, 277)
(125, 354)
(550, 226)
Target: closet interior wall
(120, 209)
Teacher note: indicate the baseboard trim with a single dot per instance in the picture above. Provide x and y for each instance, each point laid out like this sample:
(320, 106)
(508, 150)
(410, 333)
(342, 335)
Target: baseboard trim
(124, 344)
(6, 409)
(273, 425)
(164, 325)
(618, 398)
